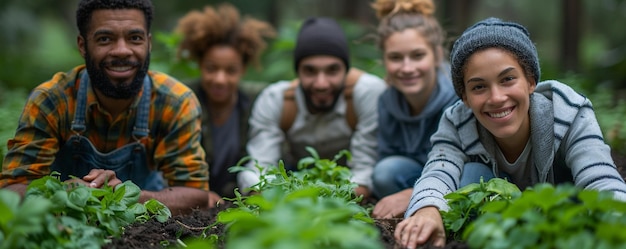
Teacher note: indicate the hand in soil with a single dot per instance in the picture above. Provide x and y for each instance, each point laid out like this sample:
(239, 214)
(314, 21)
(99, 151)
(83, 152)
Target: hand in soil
(362, 190)
(392, 206)
(214, 199)
(425, 225)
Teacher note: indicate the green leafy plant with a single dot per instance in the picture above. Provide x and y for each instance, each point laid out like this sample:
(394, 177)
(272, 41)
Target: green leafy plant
(54, 214)
(312, 171)
(298, 219)
(546, 216)
(314, 207)
(467, 203)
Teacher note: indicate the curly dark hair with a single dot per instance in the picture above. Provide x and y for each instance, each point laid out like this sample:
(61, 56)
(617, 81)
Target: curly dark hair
(87, 7)
(223, 25)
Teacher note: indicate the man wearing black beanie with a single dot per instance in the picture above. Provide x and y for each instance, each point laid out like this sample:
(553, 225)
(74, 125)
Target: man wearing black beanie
(329, 107)
(321, 36)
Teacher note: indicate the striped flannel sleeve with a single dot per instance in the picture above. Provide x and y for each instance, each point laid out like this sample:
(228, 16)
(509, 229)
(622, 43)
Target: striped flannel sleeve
(31, 151)
(178, 152)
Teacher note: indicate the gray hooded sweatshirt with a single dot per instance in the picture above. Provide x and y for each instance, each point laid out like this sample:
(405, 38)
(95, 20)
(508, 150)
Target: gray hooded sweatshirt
(405, 135)
(566, 143)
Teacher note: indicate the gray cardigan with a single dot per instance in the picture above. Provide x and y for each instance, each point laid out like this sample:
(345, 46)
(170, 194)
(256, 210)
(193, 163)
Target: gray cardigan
(567, 147)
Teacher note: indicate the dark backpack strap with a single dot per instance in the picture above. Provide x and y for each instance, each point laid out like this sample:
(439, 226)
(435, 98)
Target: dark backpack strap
(290, 108)
(351, 80)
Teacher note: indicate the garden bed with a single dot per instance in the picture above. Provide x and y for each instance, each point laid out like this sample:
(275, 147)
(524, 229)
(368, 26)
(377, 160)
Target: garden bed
(154, 234)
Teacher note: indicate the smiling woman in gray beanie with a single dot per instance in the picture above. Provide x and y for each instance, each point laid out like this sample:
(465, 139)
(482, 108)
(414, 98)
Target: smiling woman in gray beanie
(509, 125)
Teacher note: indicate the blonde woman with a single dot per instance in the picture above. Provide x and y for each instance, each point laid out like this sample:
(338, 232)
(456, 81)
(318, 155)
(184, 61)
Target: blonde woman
(418, 74)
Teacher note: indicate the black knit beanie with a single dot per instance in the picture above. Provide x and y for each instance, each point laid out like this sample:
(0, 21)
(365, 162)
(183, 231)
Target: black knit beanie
(492, 32)
(321, 36)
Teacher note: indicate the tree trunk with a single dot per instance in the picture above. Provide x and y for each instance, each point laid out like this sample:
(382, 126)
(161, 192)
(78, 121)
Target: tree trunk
(570, 38)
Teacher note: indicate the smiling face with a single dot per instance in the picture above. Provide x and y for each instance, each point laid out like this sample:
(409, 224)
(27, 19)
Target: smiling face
(410, 63)
(322, 80)
(116, 49)
(222, 68)
(498, 92)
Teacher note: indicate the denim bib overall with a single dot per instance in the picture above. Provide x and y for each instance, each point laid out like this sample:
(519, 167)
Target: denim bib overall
(78, 155)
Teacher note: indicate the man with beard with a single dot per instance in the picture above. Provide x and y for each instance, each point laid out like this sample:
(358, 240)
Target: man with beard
(321, 60)
(112, 120)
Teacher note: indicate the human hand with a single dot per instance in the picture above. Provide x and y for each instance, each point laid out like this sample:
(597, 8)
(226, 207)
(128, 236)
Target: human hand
(392, 206)
(214, 199)
(362, 190)
(97, 177)
(75, 182)
(425, 225)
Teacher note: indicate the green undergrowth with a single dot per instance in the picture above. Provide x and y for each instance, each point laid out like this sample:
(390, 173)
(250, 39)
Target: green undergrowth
(314, 207)
(55, 214)
(495, 214)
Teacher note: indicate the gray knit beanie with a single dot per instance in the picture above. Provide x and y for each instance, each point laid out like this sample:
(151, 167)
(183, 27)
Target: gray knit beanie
(493, 32)
(321, 36)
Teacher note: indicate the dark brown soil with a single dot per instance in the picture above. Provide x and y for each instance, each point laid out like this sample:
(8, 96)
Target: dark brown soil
(154, 234)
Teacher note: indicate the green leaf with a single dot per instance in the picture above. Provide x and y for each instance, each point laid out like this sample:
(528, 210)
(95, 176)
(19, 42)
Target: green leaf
(99, 193)
(472, 187)
(9, 202)
(343, 153)
(131, 193)
(118, 193)
(313, 152)
(457, 224)
(79, 197)
(259, 201)
(231, 215)
(502, 187)
(158, 209)
(138, 209)
(60, 198)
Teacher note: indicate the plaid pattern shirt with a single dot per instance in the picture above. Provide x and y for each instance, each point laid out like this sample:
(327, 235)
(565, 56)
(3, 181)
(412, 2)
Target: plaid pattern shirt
(173, 145)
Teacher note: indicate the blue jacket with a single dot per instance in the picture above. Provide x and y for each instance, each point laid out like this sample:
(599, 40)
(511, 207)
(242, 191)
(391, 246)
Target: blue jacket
(400, 133)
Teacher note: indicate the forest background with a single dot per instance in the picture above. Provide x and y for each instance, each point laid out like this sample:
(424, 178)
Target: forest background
(580, 42)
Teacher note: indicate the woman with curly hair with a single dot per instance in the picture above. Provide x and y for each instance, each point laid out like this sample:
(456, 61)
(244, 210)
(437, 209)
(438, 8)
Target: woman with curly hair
(411, 40)
(224, 45)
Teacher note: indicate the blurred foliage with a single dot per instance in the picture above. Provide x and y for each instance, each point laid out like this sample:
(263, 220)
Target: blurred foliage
(610, 111)
(11, 105)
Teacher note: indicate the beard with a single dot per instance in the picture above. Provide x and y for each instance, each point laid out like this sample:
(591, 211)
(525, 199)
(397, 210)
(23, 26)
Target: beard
(101, 81)
(316, 108)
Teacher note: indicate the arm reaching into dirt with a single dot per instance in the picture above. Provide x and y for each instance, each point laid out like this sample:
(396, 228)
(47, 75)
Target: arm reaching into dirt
(392, 206)
(19, 188)
(180, 200)
(425, 225)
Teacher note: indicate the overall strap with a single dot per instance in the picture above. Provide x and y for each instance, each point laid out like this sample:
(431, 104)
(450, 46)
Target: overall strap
(78, 124)
(141, 123)
(143, 111)
(290, 108)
